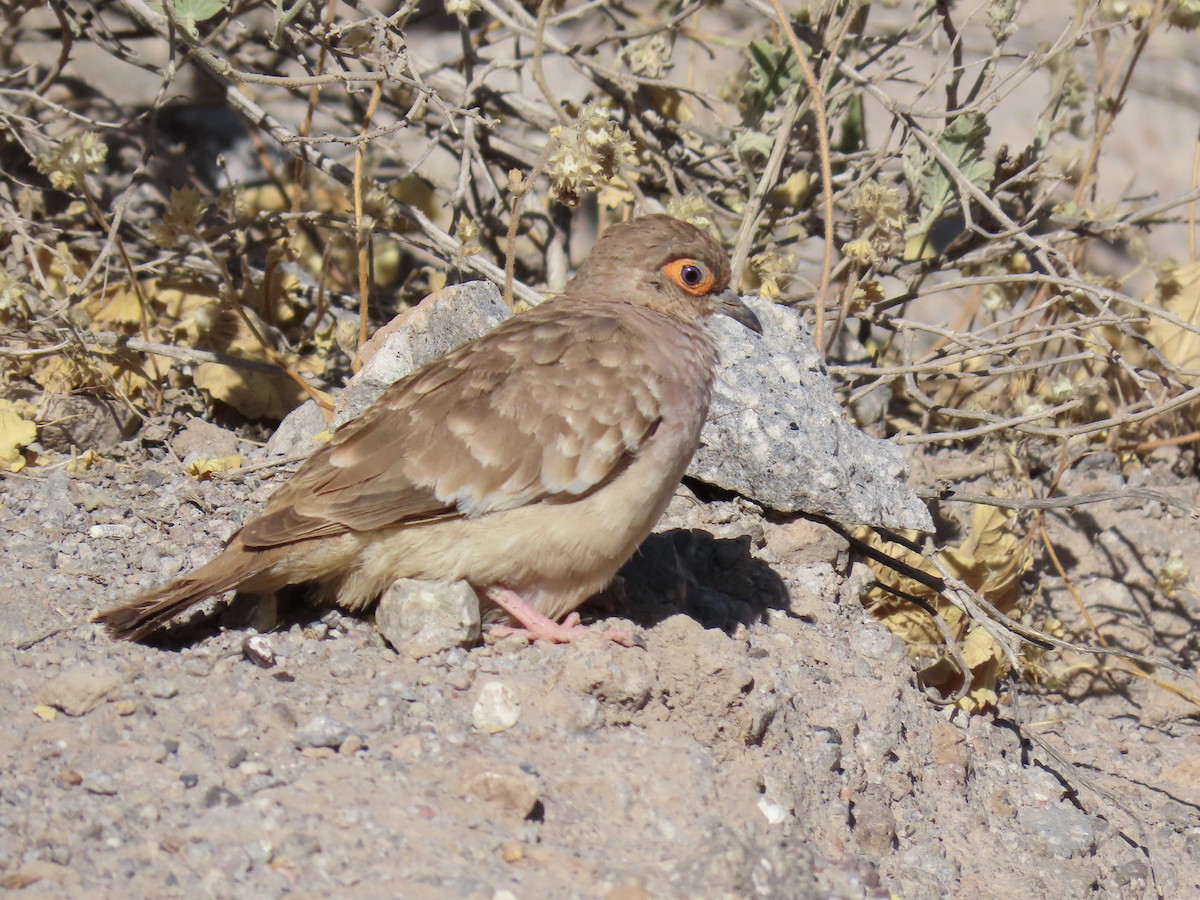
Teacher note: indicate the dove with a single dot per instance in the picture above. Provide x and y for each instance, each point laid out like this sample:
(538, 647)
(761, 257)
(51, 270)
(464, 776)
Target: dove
(529, 463)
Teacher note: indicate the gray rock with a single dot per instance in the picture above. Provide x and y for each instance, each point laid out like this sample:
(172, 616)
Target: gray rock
(80, 690)
(926, 864)
(438, 324)
(80, 421)
(321, 731)
(424, 618)
(777, 435)
(496, 708)
(1064, 831)
(512, 790)
(204, 440)
(296, 434)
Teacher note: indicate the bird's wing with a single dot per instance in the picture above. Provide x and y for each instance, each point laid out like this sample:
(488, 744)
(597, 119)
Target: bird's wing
(548, 407)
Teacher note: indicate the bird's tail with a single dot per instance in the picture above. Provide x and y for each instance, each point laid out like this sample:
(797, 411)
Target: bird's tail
(144, 614)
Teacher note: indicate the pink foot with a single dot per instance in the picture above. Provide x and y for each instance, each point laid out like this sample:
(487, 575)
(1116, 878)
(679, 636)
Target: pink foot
(537, 627)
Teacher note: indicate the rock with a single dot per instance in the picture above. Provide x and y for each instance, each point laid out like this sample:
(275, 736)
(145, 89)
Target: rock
(496, 709)
(514, 791)
(101, 783)
(774, 813)
(257, 648)
(926, 864)
(873, 641)
(874, 823)
(424, 618)
(80, 690)
(205, 440)
(444, 320)
(776, 433)
(297, 433)
(438, 324)
(1064, 831)
(79, 421)
(321, 731)
(162, 688)
(218, 796)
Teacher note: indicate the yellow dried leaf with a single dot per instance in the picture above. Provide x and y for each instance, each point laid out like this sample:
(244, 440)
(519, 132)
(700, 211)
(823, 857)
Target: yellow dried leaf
(669, 103)
(256, 395)
(1180, 346)
(991, 560)
(416, 191)
(979, 648)
(793, 192)
(119, 306)
(250, 201)
(80, 462)
(15, 432)
(203, 468)
(614, 195)
(45, 713)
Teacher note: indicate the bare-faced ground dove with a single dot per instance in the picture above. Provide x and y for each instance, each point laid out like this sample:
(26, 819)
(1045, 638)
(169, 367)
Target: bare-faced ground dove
(529, 463)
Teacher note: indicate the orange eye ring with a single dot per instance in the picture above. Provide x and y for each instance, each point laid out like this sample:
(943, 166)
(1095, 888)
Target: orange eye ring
(691, 275)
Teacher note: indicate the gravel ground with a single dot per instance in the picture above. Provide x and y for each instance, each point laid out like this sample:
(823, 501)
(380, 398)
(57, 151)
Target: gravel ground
(769, 740)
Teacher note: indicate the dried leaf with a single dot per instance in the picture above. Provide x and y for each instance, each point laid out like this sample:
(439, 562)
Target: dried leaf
(254, 394)
(1179, 294)
(203, 468)
(15, 432)
(991, 560)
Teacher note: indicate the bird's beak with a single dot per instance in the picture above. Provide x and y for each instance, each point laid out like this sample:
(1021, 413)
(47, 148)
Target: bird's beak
(730, 304)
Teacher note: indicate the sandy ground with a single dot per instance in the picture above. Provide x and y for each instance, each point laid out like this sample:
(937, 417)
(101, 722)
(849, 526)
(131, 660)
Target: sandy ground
(769, 740)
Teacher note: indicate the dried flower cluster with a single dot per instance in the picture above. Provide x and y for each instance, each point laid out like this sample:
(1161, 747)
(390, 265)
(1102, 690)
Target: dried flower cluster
(581, 155)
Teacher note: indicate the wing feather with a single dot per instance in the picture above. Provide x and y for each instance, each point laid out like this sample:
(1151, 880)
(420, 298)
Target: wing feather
(548, 407)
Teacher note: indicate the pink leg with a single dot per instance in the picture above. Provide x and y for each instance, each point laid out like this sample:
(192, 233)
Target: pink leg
(538, 627)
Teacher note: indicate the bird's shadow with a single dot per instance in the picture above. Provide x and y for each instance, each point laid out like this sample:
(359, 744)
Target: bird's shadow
(716, 581)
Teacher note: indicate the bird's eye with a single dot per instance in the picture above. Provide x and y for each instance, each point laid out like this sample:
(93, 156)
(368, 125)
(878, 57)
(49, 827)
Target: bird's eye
(692, 275)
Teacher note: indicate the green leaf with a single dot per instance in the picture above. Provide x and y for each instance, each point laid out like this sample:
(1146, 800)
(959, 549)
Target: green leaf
(753, 143)
(962, 142)
(772, 71)
(189, 12)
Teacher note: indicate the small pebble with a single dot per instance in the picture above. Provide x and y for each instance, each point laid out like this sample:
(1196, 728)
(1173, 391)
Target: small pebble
(219, 796)
(99, 783)
(197, 667)
(148, 813)
(515, 792)
(80, 690)
(513, 851)
(321, 731)
(497, 708)
(775, 813)
(111, 530)
(257, 648)
(162, 689)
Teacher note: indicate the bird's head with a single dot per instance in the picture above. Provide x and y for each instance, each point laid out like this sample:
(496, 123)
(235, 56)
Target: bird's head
(665, 264)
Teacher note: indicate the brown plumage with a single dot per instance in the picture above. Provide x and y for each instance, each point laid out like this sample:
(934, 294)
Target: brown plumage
(530, 462)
